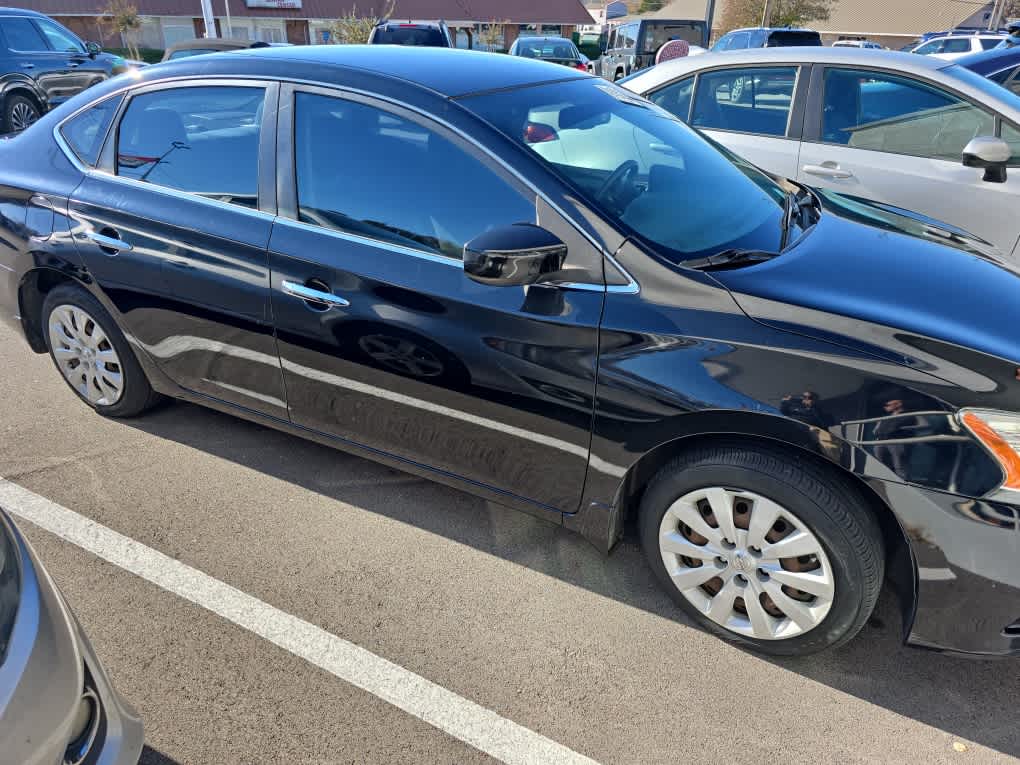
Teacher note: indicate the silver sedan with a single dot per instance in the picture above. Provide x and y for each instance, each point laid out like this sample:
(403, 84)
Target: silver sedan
(56, 703)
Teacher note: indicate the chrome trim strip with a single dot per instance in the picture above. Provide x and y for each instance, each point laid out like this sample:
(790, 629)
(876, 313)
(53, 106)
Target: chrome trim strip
(313, 295)
(357, 239)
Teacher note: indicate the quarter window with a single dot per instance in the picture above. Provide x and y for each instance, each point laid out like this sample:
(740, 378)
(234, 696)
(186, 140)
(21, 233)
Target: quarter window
(753, 100)
(1011, 135)
(23, 35)
(85, 132)
(367, 172)
(884, 112)
(204, 140)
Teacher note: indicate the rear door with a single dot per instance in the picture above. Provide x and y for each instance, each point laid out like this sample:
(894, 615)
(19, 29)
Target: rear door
(755, 111)
(386, 344)
(174, 227)
(85, 71)
(899, 140)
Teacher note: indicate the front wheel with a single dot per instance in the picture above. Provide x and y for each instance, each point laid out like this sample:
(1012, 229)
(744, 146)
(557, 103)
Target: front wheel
(17, 113)
(92, 354)
(766, 550)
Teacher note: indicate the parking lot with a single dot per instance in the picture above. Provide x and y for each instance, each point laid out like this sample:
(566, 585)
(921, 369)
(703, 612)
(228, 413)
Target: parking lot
(499, 609)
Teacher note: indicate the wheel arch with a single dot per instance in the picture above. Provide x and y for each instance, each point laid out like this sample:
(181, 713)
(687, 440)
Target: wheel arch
(32, 291)
(802, 441)
(23, 87)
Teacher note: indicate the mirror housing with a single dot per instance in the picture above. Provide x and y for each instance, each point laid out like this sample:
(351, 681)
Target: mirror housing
(989, 153)
(514, 255)
(93, 48)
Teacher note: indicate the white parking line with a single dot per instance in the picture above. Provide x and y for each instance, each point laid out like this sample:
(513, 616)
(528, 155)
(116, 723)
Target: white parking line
(459, 717)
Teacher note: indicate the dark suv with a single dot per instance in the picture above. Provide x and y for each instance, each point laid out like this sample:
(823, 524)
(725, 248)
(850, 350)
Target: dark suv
(427, 34)
(42, 64)
(632, 46)
(765, 37)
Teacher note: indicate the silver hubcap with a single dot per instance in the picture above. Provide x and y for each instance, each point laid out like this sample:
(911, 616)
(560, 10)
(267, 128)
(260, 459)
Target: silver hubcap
(401, 355)
(85, 355)
(746, 562)
(22, 115)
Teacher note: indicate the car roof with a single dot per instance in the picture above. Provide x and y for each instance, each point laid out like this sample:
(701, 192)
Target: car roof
(771, 29)
(967, 36)
(544, 38)
(905, 62)
(450, 72)
(21, 12)
(211, 43)
(989, 61)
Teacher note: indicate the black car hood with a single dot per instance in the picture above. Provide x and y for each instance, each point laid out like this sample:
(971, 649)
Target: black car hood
(886, 281)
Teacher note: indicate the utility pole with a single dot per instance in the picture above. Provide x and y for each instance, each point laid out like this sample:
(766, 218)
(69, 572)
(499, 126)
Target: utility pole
(207, 17)
(230, 31)
(766, 13)
(993, 21)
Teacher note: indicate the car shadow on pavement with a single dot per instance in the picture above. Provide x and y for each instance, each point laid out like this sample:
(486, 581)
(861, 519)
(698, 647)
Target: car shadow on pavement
(970, 698)
(152, 756)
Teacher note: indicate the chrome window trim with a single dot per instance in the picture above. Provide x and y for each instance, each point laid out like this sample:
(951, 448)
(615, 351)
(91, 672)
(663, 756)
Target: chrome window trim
(632, 286)
(370, 242)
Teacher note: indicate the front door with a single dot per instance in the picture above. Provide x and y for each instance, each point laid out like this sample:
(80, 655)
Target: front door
(33, 57)
(171, 229)
(900, 141)
(386, 343)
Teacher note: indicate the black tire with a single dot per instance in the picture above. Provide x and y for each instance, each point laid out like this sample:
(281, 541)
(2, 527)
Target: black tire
(16, 103)
(137, 394)
(828, 504)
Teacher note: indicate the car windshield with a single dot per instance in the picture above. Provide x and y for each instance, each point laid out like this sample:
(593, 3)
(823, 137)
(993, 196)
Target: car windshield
(985, 85)
(189, 52)
(409, 35)
(556, 50)
(645, 169)
(790, 39)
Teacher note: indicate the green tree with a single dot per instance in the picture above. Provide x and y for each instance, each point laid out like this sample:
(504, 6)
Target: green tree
(649, 6)
(782, 13)
(123, 19)
(352, 29)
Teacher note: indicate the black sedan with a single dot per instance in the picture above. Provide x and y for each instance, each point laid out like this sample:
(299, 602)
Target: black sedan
(536, 286)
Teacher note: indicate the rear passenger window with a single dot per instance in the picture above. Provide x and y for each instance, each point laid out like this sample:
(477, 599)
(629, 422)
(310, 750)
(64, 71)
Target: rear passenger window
(22, 35)
(367, 172)
(204, 140)
(85, 132)
(753, 100)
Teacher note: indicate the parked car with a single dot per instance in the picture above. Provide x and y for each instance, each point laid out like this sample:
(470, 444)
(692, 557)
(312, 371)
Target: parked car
(956, 46)
(883, 125)
(1001, 65)
(631, 46)
(417, 33)
(57, 704)
(556, 50)
(605, 317)
(766, 37)
(867, 44)
(42, 64)
(199, 46)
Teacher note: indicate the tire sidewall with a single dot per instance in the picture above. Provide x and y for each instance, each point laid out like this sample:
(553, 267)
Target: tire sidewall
(848, 598)
(8, 109)
(137, 392)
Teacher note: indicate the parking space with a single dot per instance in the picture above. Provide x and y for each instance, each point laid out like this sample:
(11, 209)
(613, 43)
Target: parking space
(500, 609)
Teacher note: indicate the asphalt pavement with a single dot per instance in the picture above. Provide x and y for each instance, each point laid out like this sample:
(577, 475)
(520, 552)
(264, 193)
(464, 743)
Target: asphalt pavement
(496, 608)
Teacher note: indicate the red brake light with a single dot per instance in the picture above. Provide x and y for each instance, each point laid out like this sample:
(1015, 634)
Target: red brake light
(536, 132)
(581, 66)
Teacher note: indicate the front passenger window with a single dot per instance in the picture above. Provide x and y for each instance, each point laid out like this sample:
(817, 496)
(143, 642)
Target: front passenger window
(203, 140)
(371, 173)
(885, 112)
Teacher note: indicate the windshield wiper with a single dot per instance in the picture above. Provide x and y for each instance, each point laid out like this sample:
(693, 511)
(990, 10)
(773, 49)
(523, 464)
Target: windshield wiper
(729, 259)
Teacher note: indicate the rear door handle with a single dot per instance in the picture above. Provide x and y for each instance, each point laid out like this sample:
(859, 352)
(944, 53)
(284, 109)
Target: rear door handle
(28, 66)
(313, 295)
(826, 171)
(109, 244)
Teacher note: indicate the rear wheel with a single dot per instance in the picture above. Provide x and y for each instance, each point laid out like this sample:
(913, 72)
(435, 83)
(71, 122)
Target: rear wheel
(770, 552)
(17, 113)
(92, 354)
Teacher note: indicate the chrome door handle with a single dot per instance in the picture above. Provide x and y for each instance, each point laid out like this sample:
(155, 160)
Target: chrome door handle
(28, 66)
(827, 172)
(109, 242)
(327, 299)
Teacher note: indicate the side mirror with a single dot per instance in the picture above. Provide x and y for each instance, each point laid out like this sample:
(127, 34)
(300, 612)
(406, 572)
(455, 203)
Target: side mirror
(990, 153)
(93, 49)
(513, 255)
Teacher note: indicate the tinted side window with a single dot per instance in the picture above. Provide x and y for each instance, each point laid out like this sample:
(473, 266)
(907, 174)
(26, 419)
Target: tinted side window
(23, 35)
(956, 45)
(935, 46)
(884, 112)
(675, 98)
(987, 43)
(740, 41)
(60, 39)
(204, 140)
(367, 172)
(751, 100)
(86, 131)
